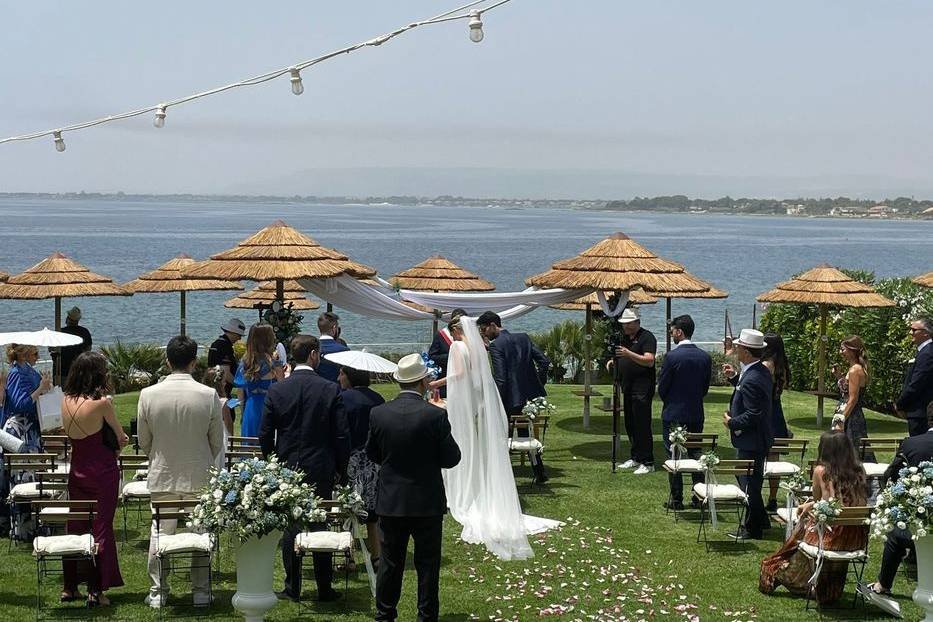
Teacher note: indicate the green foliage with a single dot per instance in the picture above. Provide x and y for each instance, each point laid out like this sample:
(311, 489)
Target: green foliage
(285, 322)
(133, 366)
(883, 330)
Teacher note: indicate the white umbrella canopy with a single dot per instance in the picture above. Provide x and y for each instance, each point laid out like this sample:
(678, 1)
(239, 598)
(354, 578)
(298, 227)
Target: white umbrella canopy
(42, 338)
(363, 361)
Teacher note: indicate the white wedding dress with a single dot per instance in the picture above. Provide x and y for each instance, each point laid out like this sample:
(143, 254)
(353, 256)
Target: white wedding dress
(481, 491)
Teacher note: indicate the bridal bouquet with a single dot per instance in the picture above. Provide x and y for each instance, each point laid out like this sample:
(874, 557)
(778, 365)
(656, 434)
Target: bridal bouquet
(906, 503)
(538, 406)
(255, 498)
(433, 368)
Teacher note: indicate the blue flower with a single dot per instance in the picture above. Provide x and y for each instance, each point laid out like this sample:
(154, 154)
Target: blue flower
(230, 498)
(244, 475)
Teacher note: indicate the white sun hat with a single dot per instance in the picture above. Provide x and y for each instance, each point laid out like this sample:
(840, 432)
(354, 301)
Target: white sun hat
(629, 315)
(751, 338)
(411, 368)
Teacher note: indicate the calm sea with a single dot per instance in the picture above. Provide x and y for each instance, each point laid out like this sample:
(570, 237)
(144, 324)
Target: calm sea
(741, 254)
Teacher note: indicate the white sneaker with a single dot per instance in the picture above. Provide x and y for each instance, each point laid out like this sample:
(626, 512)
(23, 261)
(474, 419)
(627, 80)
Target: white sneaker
(156, 601)
(644, 468)
(629, 464)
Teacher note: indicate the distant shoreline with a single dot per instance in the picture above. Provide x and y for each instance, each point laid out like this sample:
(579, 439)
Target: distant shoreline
(895, 209)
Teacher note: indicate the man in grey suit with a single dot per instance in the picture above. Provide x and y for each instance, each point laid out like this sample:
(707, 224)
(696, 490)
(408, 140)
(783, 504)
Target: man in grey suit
(181, 430)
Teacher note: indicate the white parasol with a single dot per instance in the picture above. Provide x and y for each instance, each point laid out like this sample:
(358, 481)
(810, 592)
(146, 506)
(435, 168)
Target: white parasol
(364, 361)
(45, 338)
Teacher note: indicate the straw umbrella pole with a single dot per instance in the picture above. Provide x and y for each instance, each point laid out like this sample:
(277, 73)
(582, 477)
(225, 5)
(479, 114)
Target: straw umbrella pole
(277, 253)
(617, 263)
(439, 274)
(926, 280)
(824, 286)
(168, 278)
(59, 277)
(636, 297)
(263, 296)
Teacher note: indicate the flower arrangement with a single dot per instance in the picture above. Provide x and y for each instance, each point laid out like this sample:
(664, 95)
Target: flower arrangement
(825, 511)
(255, 498)
(351, 499)
(796, 482)
(433, 368)
(538, 406)
(906, 503)
(709, 460)
(678, 441)
(284, 321)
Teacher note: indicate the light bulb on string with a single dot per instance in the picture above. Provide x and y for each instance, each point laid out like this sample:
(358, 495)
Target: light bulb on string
(159, 120)
(297, 87)
(476, 27)
(59, 141)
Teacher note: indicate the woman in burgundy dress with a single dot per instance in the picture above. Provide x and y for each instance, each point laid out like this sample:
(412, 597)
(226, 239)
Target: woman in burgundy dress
(96, 439)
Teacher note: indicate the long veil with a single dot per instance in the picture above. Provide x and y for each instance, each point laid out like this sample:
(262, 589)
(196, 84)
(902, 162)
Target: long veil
(481, 490)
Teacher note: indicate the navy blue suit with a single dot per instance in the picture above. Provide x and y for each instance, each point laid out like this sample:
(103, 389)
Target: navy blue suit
(682, 385)
(750, 428)
(326, 369)
(519, 368)
(917, 392)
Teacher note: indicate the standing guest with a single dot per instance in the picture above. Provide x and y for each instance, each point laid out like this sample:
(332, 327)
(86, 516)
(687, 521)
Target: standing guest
(411, 441)
(20, 418)
(635, 371)
(305, 425)
(181, 431)
(96, 439)
(682, 384)
(440, 348)
(519, 369)
(258, 370)
(917, 392)
(363, 473)
(221, 354)
(898, 542)
(838, 474)
(68, 354)
(775, 359)
(749, 423)
(328, 324)
(852, 388)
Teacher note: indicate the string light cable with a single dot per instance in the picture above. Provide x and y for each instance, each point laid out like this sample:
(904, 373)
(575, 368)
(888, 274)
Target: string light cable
(471, 11)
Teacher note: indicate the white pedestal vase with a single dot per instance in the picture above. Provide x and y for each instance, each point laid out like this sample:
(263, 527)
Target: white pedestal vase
(923, 595)
(254, 568)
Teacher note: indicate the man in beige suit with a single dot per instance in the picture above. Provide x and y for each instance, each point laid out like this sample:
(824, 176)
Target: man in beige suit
(181, 430)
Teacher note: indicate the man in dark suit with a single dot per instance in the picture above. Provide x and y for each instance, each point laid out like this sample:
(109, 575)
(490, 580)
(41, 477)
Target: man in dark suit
(682, 384)
(305, 426)
(917, 392)
(411, 440)
(440, 348)
(749, 424)
(328, 324)
(519, 369)
(914, 450)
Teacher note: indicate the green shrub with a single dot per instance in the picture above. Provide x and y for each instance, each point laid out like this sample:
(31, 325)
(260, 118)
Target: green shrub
(133, 366)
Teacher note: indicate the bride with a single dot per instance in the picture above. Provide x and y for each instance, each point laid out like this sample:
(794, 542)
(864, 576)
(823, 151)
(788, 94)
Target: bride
(481, 491)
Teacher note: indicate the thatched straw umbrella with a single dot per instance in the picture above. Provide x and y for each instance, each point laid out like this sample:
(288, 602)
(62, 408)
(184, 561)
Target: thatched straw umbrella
(439, 274)
(617, 263)
(4, 276)
(926, 280)
(168, 278)
(278, 253)
(709, 292)
(59, 277)
(824, 286)
(263, 296)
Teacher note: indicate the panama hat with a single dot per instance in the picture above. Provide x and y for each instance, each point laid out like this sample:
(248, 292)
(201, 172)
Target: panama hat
(629, 315)
(751, 338)
(234, 326)
(411, 368)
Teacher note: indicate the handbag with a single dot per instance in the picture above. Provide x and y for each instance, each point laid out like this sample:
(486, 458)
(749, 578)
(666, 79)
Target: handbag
(109, 438)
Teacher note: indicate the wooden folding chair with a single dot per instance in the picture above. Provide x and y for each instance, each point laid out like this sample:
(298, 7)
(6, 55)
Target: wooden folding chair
(523, 440)
(870, 447)
(336, 540)
(697, 443)
(192, 547)
(855, 559)
(724, 496)
(51, 551)
(242, 443)
(134, 491)
(60, 445)
(20, 470)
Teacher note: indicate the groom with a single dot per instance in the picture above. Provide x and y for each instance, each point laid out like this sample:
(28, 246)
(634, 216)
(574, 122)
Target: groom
(519, 369)
(411, 441)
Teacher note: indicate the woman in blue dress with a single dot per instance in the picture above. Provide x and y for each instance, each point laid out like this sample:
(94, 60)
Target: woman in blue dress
(257, 371)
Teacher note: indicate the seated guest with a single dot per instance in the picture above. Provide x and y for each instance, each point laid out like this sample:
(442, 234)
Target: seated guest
(96, 438)
(363, 473)
(329, 327)
(914, 450)
(838, 474)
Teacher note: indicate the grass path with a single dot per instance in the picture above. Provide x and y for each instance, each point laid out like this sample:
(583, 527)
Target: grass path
(619, 557)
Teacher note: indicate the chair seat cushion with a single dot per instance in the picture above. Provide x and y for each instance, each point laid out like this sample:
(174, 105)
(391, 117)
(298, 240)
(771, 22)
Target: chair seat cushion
(139, 490)
(324, 541)
(812, 551)
(788, 516)
(525, 444)
(72, 544)
(780, 469)
(874, 469)
(141, 474)
(686, 465)
(28, 490)
(51, 510)
(720, 492)
(184, 543)
(62, 467)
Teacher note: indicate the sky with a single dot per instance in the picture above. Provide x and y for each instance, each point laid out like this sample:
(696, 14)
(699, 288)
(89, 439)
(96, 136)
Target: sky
(586, 98)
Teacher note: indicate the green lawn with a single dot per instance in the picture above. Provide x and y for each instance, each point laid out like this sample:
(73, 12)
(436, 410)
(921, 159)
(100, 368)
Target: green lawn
(619, 557)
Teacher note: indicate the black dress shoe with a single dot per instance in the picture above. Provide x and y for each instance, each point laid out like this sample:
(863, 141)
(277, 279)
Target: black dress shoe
(772, 506)
(744, 534)
(695, 504)
(676, 506)
(328, 597)
(286, 595)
